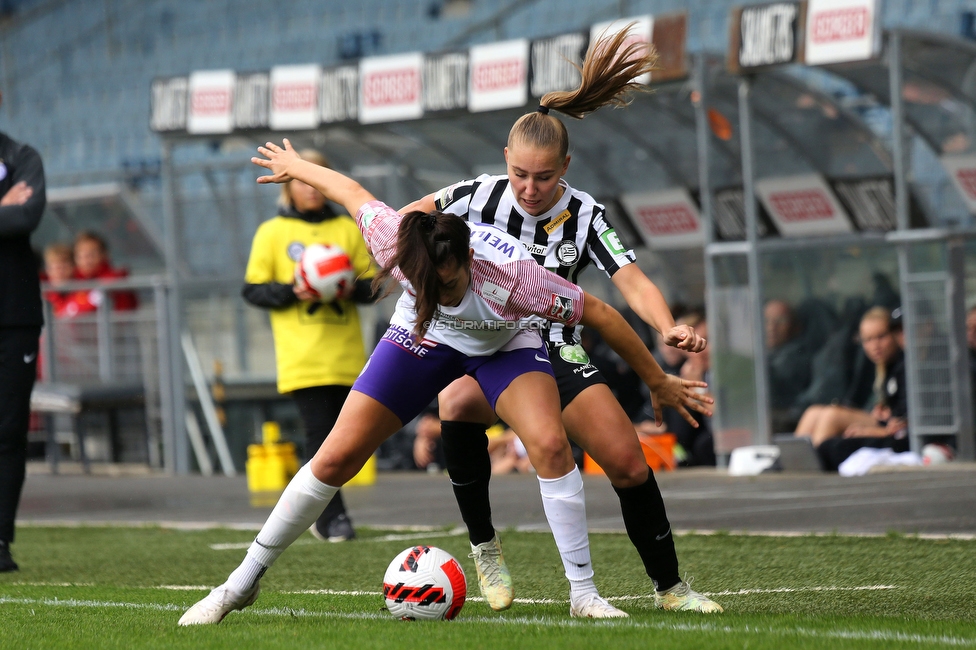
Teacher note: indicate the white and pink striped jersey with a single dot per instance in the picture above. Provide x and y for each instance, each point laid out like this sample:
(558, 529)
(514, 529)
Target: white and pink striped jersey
(507, 295)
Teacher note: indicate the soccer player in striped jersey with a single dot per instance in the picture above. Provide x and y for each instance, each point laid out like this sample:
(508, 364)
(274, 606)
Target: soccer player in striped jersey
(471, 295)
(565, 230)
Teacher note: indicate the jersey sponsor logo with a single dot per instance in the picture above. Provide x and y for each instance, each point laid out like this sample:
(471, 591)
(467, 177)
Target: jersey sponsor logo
(494, 293)
(542, 360)
(498, 243)
(557, 221)
(560, 307)
(612, 242)
(295, 250)
(892, 386)
(535, 249)
(589, 373)
(567, 253)
(574, 354)
(3, 170)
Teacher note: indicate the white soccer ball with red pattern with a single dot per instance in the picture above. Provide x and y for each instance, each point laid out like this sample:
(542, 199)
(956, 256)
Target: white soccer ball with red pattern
(424, 583)
(326, 270)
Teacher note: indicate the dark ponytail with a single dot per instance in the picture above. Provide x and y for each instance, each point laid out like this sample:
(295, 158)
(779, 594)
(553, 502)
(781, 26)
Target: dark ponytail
(427, 241)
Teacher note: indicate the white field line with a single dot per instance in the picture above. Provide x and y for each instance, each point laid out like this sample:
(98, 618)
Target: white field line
(550, 601)
(433, 530)
(385, 538)
(478, 599)
(706, 627)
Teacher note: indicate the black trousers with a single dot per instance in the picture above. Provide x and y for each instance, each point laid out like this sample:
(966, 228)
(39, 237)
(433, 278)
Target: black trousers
(319, 407)
(18, 370)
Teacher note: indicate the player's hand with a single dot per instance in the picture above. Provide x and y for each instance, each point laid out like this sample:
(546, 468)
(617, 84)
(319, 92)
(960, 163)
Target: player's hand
(681, 395)
(277, 160)
(304, 293)
(17, 195)
(684, 338)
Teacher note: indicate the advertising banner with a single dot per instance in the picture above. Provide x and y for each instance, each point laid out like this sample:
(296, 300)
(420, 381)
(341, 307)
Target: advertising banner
(552, 63)
(665, 219)
(211, 108)
(167, 104)
(764, 35)
(499, 75)
(962, 171)
(445, 81)
(295, 97)
(390, 88)
(842, 30)
(339, 94)
(251, 94)
(802, 205)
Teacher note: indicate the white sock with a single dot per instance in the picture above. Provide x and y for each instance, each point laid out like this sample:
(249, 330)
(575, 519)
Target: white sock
(300, 504)
(565, 506)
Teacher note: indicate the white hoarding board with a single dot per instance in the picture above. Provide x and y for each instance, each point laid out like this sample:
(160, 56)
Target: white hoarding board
(390, 88)
(665, 219)
(295, 96)
(641, 32)
(842, 30)
(802, 205)
(499, 76)
(962, 171)
(211, 107)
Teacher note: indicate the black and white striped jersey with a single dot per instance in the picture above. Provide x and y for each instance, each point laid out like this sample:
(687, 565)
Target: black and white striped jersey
(566, 239)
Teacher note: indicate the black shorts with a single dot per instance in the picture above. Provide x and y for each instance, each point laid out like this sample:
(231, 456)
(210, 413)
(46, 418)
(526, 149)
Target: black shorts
(573, 370)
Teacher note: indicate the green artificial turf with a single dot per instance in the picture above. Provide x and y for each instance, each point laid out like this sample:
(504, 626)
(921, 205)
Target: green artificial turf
(118, 587)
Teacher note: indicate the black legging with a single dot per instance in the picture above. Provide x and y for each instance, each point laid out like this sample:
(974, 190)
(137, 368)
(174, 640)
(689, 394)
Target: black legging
(319, 407)
(18, 369)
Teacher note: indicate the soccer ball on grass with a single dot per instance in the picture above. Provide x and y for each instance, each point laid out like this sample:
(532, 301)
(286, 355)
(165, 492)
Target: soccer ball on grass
(424, 583)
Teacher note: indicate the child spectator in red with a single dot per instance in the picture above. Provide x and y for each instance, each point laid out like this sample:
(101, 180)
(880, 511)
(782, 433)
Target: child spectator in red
(92, 263)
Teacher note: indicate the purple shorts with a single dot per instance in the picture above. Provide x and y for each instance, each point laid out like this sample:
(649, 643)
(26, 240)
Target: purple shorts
(406, 376)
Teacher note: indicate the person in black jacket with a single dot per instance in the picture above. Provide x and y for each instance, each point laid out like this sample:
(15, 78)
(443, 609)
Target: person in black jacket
(22, 200)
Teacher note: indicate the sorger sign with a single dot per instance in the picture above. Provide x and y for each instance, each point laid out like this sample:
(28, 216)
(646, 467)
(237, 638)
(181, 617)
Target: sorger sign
(211, 101)
(962, 171)
(390, 88)
(666, 219)
(802, 205)
(498, 76)
(295, 96)
(841, 30)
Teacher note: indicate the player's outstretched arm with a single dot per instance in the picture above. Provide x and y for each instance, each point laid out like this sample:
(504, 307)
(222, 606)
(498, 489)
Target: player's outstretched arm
(285, 164)
(648, 302)
(666, 390)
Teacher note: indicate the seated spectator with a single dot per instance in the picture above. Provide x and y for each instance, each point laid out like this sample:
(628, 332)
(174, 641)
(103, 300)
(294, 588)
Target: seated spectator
(59, 267)
(695, 444)
(787, 357)
(92, 263)
(837, 431)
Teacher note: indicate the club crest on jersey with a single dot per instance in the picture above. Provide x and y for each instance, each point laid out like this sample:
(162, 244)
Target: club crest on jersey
(295, 250)
(494, 293)
(567, 253)
(560, 307)
(557, 221)
(574, 354)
